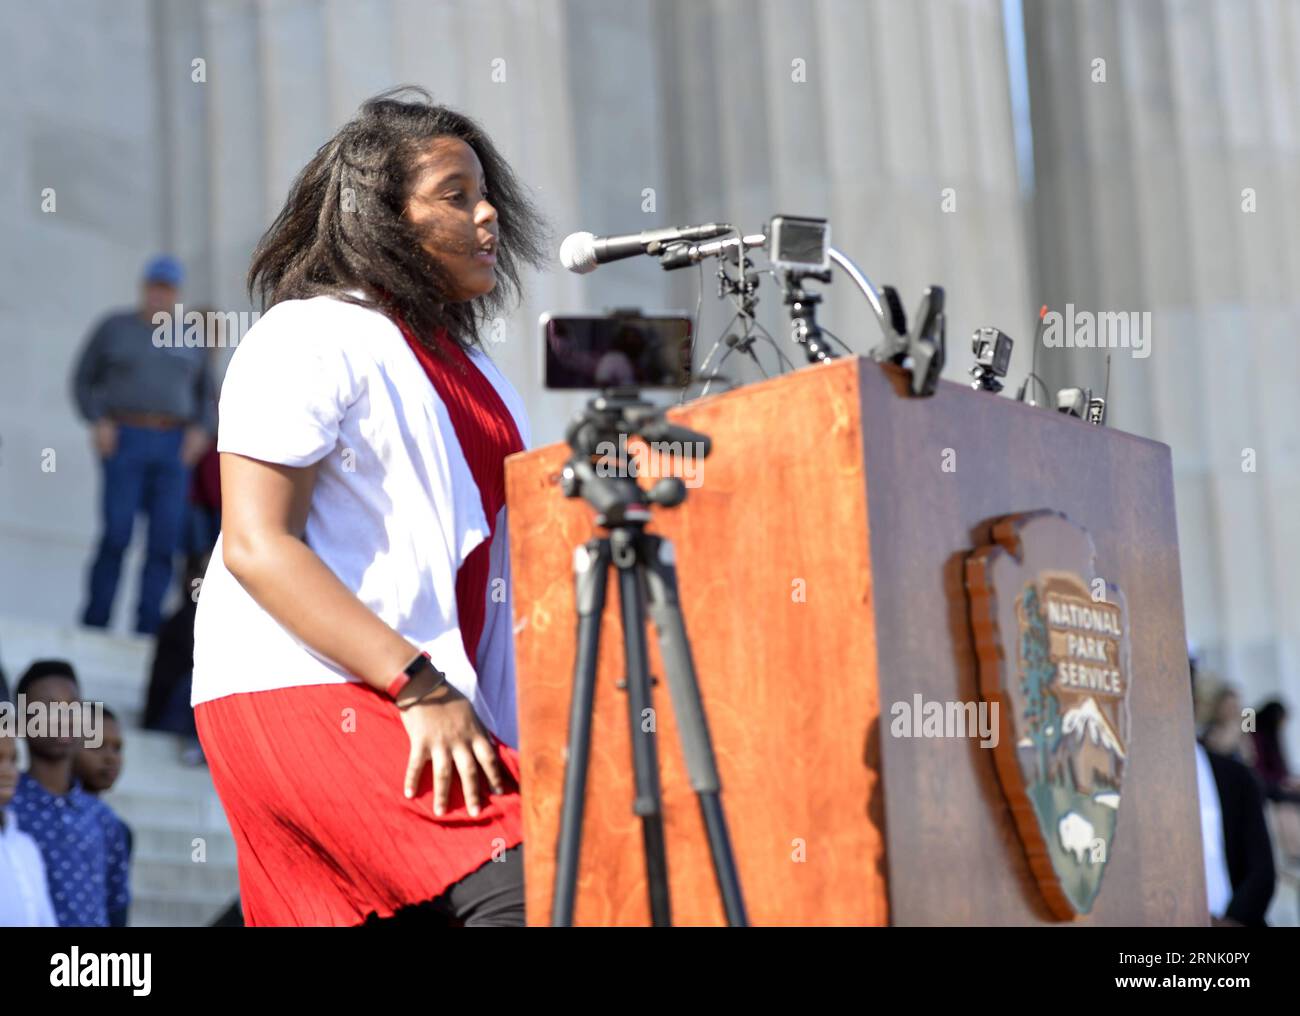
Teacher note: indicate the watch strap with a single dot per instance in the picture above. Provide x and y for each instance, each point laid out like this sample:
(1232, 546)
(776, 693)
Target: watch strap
(396, 685)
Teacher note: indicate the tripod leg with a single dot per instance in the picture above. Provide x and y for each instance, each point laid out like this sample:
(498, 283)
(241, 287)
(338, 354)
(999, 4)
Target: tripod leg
(590, 575)
(675, 647)
(645, 756)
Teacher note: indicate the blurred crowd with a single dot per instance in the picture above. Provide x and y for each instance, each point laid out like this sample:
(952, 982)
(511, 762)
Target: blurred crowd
(1250, 801)
(144, 383)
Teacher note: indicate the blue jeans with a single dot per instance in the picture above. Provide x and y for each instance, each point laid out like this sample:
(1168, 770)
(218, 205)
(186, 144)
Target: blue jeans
(145, 473)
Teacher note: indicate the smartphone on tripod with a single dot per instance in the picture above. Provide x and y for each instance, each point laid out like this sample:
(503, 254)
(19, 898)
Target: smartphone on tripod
(622, 349)
(623, 353)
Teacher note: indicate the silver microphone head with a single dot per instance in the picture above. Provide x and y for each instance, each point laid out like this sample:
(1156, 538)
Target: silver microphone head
(578, 252)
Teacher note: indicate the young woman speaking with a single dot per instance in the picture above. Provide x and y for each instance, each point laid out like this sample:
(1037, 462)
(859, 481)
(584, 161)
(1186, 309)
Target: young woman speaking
(353, 660)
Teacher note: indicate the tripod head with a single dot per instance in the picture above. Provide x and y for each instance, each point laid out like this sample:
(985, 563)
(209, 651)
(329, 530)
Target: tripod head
(803, 311)
(601, 471)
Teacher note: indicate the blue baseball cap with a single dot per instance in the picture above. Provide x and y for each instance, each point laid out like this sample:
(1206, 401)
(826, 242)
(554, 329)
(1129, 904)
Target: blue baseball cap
(165, 269)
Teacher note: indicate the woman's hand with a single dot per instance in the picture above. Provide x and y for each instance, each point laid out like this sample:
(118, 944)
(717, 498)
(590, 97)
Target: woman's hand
(444, 729)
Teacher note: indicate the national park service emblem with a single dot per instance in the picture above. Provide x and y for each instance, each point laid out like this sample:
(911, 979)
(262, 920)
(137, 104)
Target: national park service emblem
(1053, 647)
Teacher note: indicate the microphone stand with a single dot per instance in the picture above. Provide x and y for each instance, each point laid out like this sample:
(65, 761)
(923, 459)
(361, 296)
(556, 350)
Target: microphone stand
(743, 289)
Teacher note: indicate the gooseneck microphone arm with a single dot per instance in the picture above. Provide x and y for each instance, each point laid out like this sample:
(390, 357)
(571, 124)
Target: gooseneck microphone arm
(863, 283)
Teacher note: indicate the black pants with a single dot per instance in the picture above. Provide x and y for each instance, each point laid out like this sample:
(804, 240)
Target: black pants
(491, 897)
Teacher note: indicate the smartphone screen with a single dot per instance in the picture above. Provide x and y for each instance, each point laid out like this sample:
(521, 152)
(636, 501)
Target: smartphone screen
(616, 352)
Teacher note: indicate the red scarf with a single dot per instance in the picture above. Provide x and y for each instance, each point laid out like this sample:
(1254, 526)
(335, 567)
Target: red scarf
(487, 433)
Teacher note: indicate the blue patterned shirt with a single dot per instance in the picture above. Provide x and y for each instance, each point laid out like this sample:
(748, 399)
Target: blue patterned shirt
(85, 848)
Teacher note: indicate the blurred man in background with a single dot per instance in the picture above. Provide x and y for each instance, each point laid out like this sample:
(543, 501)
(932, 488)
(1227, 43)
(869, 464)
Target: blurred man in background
(149, 399)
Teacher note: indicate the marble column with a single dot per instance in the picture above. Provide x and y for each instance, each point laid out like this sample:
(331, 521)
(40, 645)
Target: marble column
(1165, 144)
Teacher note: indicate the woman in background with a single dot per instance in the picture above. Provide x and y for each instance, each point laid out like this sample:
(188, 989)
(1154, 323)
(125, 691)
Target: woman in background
(1280, 784)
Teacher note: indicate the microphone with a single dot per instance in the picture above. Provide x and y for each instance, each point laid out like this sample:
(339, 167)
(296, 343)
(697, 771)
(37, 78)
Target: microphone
(680, 257)
(582, 252)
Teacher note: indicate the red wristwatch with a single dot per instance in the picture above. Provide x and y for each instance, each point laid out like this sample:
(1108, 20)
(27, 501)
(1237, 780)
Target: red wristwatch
(409, 671)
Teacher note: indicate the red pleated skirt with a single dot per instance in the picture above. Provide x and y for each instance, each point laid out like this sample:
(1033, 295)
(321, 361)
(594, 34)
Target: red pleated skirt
(311, 780)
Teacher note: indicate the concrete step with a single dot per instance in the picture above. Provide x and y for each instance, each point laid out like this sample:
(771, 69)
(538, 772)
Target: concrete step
(152, 746)
(126, 704)
(150, 758)
(152, 909)
(173, 845)
(166, 809)
(183, 879)
(91, 651)
(137, 779)
(111, 668)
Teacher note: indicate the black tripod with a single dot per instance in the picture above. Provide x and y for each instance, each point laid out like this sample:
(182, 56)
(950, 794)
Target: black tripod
(647, 579)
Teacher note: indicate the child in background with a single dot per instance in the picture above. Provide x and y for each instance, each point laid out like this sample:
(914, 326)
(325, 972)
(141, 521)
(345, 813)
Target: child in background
(84, 851)
(24, 894)
(98, 769)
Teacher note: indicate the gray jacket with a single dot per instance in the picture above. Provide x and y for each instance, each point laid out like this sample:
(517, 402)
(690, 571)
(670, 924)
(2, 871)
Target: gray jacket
(122, 370)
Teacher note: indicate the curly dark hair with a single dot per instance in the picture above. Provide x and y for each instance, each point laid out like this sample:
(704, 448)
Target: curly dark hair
(322, 243)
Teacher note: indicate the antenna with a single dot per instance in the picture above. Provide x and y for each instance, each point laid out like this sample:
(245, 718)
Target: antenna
(1033, 363)
(1038, 340)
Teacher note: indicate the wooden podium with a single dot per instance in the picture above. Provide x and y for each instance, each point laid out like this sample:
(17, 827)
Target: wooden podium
(822, 568)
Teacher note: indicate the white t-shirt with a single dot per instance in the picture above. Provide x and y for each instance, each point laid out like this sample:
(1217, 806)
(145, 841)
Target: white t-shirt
(1218, 886)
(24, 891)
(394, 512)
